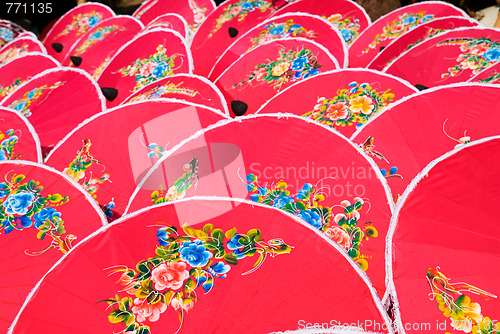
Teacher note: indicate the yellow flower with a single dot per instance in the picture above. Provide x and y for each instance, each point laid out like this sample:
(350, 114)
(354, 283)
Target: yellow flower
(280, 69)
(361, 104)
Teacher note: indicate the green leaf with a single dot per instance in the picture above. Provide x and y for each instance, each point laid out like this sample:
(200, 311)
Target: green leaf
(118, 316)
(231, 233)
(231, 259)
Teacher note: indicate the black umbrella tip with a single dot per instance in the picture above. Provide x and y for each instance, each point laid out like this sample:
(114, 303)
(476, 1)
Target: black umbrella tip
(233, 32)
(421, 87)
(109, 93)
(77, 61)
(239, 108)
(58, 47)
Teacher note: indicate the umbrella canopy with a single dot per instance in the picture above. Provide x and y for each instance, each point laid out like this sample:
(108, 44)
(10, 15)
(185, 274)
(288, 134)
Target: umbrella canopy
(102, 42)
(188, 87)
(43, 215)
(394, 24)
(8, 31)
(17, 71)
(341, 99)
(350, 18)
(19, 47)
(417, 35)
(171, 21)
(180, 268)
(266, 70)
(151, 56)
(55, 101)
(110, 153)
(287, 162)
(462, 52)
(442, 267)
(406, 136)
(18, 139)
(287, 25)
(488, 75)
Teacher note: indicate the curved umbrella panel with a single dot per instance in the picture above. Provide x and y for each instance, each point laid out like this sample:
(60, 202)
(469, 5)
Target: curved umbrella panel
(20, 47)
(73, 25)
(207, 290)
(343, 99)
(394, 24)
(287, 25)
(109, 154)
(170, 21)
(55, 101)
(9, 31)
(418, 35)
(340, 192)
(463, 52)
(44, 214)
(407, 136)
(151, 56)
(490, 75)
(441, 269)
(264, 71)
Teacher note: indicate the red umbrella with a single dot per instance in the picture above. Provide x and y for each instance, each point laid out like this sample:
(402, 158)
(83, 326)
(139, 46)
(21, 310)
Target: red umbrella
(287, 162)
(147, 58)
(463, 52)
(55, 101)
(442, 251)
(204, 266)
(411, 133)
(287, 25)
(72, 25)
(101, 42)
(19, 47)
(394, 24)
(8, 31)
(358, 95)
(488, 75)
(43, 215)
(17, 71)
(171, 21)
(417, 35)
(266, 70)
(18, 139)
(188, 87)
(109, 153)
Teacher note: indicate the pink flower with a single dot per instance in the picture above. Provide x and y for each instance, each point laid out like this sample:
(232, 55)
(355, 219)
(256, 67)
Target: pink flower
(468, 64)
(398, 28)
(129, 283)
(177, 303)
(479, 49)
(235, 10)
(340, 236)
(169, 275)
(336, 111)
(261, 73)
(198, 18)
(147, 69)
(319, 103)
(145, 311)
(84, 21)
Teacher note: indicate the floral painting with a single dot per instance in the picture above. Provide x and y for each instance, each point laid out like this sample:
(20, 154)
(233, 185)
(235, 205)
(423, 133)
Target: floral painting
(164, 90)
(350, 106)
(8, 141)
(81, 23)
(348, 26)
(289, 66)
(12, 52)
(454, 300)
(23, 204)
(11, 88)
(273, 30)
(181, 185)
(98, 70)
(23, 105)
(477, 54)
(182, 265)
(198, 16)
(239, 11)
(97, 36)
(339, 223)
(146, 71)
(492, 79)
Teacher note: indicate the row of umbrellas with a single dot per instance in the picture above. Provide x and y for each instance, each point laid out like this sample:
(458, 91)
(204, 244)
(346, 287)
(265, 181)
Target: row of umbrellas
(328, 174)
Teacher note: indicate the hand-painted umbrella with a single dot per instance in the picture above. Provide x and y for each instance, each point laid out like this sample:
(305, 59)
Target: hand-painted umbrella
(349, 17)
(110, 153)
(406, 136)
(287, 162)
(417, 35)
(18, 139)
(393, 25)
(203, 266)
(21, 69)
(288, 25)
(228, 21)
(188, 87)
(443, 249)
(462, 53)
(490, 75)
(266, 70)
(171, 21)
(102, 42)
(72, 25)
(43, 214)
(147, 58)
(342, 99)
(55, 101)
(8, 31)
(19, 47)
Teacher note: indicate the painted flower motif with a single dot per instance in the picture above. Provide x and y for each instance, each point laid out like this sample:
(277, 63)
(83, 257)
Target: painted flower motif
(93, 20)
(144, 311)
(159, 70)
(146, 69)
(479, 49)
(311, 217)
(46, 213)
(361, 104)
(281, 201)
(298, 64)
(18, 203)
(280, 69)
(340, 236)
(337, 111)
(129, 283)
(492, 55)
(83, 21)
(169, 276)
(3, 155)
(195, 253)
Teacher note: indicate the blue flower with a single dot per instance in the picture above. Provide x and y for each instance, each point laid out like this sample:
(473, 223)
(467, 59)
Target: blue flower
(281, 201)
(194, 253)
(32, 93)
(20, 106)
(311, 72)
(4, 189)
(234, 243)
(96, 35)
(262, 191)
(306, 188)
(162, 236)
(409, 20)
(393, 170)
(10, 132)
(159, 70)
(294, 27)
(8, 227)
(247, 6)
(492, 55)
(346, 34)
(220, 268)
(251, 177)
(45, 214)
(383, 171)
(277, 30)
(254, 197)
(353, 84)
(93, 20)
(426, 18)
(6, 34)
(299, 63)
(3, 155)
(9, 141)
(18, 203)
(22, 222)
(311, 217)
